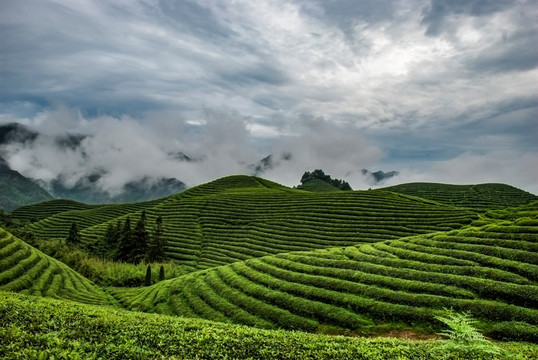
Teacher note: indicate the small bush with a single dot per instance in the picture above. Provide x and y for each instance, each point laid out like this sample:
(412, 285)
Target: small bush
(515, 331)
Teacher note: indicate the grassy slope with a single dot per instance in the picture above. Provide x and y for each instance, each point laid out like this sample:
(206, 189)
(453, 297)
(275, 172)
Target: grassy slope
(491, 271)
(318, 185)
(16, 190)
(477, 197)
(45, 328)
(242, 217)
(58, 224)
(27, 270)
(49, 208)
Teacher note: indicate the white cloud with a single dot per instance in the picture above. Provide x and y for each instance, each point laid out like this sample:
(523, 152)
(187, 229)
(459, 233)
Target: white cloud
(411, 74)
(509, 167)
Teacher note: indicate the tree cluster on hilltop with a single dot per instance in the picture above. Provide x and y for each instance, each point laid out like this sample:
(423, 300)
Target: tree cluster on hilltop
(319, 174)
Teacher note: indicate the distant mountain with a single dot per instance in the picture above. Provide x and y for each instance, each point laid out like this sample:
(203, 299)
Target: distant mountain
(181, 156)
(87, 191)
(378, 176)
(17, 190)
(268, 163)
(16, 133)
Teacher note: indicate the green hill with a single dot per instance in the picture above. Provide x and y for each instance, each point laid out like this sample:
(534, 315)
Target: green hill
(268, 256)
(48, 208)
(318, 185)
(17, 190)
(242, 217)
(491, 271)
(57, 225)
(478, 197)
(27, 270)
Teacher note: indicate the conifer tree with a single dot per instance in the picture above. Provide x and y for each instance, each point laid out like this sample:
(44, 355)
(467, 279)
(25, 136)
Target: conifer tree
(74, 237)
(161, 273)
(157, 242)
(125, 241)
(108, 241)
(147, 280)
(140, 240)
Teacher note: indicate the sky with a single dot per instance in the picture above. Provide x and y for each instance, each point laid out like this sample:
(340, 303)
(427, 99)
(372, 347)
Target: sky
(439, 90)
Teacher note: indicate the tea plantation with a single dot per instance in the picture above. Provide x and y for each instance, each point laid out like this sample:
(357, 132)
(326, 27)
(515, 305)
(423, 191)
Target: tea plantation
(491, 271)
(478, 197)
(270, 271)
(39, 328)
(27, 270)
(242, 217)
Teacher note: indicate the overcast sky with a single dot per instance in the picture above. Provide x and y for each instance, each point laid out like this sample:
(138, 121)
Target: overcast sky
(442, 90)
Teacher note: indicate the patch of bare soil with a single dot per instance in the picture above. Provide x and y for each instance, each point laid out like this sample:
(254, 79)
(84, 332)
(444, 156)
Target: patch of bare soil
(407, 334)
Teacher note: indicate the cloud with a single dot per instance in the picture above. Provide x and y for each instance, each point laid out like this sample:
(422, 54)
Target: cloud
(439, 12)
(499, 57)
(316, 144)
(407, 82)
(123, 150)
(506, 166)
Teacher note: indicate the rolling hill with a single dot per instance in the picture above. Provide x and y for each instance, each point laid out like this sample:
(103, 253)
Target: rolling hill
(491, 271)
(265, 255)
(241, 217)
(27, 270)
(49, 208)
(479, 197)
(318, 185)
(57, 224)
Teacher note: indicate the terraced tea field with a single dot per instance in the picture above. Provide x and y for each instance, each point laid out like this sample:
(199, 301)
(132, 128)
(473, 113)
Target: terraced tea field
(27, 270)
(491, 271)
(241, 217)
(33, 328)
(479, 197)
(49, 208)
(58, 224)
(268, 256)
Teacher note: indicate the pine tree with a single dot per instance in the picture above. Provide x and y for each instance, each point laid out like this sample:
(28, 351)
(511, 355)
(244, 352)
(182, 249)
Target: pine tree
(161, 273)
(157, 242)
(108, 241)
(140, 240)
(125, 241)
(74, 237)
(147, 280)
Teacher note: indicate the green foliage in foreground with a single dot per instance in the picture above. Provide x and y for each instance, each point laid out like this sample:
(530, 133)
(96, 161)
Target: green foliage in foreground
(45, 329)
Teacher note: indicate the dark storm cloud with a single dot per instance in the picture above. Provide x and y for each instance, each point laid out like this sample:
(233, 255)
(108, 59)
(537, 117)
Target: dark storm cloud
(347, 13)
(436, 14)
(411, 82)
(109, 58)
(517, 53)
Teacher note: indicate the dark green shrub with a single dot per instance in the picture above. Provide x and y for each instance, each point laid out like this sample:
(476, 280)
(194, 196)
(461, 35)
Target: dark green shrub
(514, 331)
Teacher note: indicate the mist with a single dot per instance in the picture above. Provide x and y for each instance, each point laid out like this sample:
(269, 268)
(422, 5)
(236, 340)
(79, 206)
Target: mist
(220, 142)
(508, 167)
